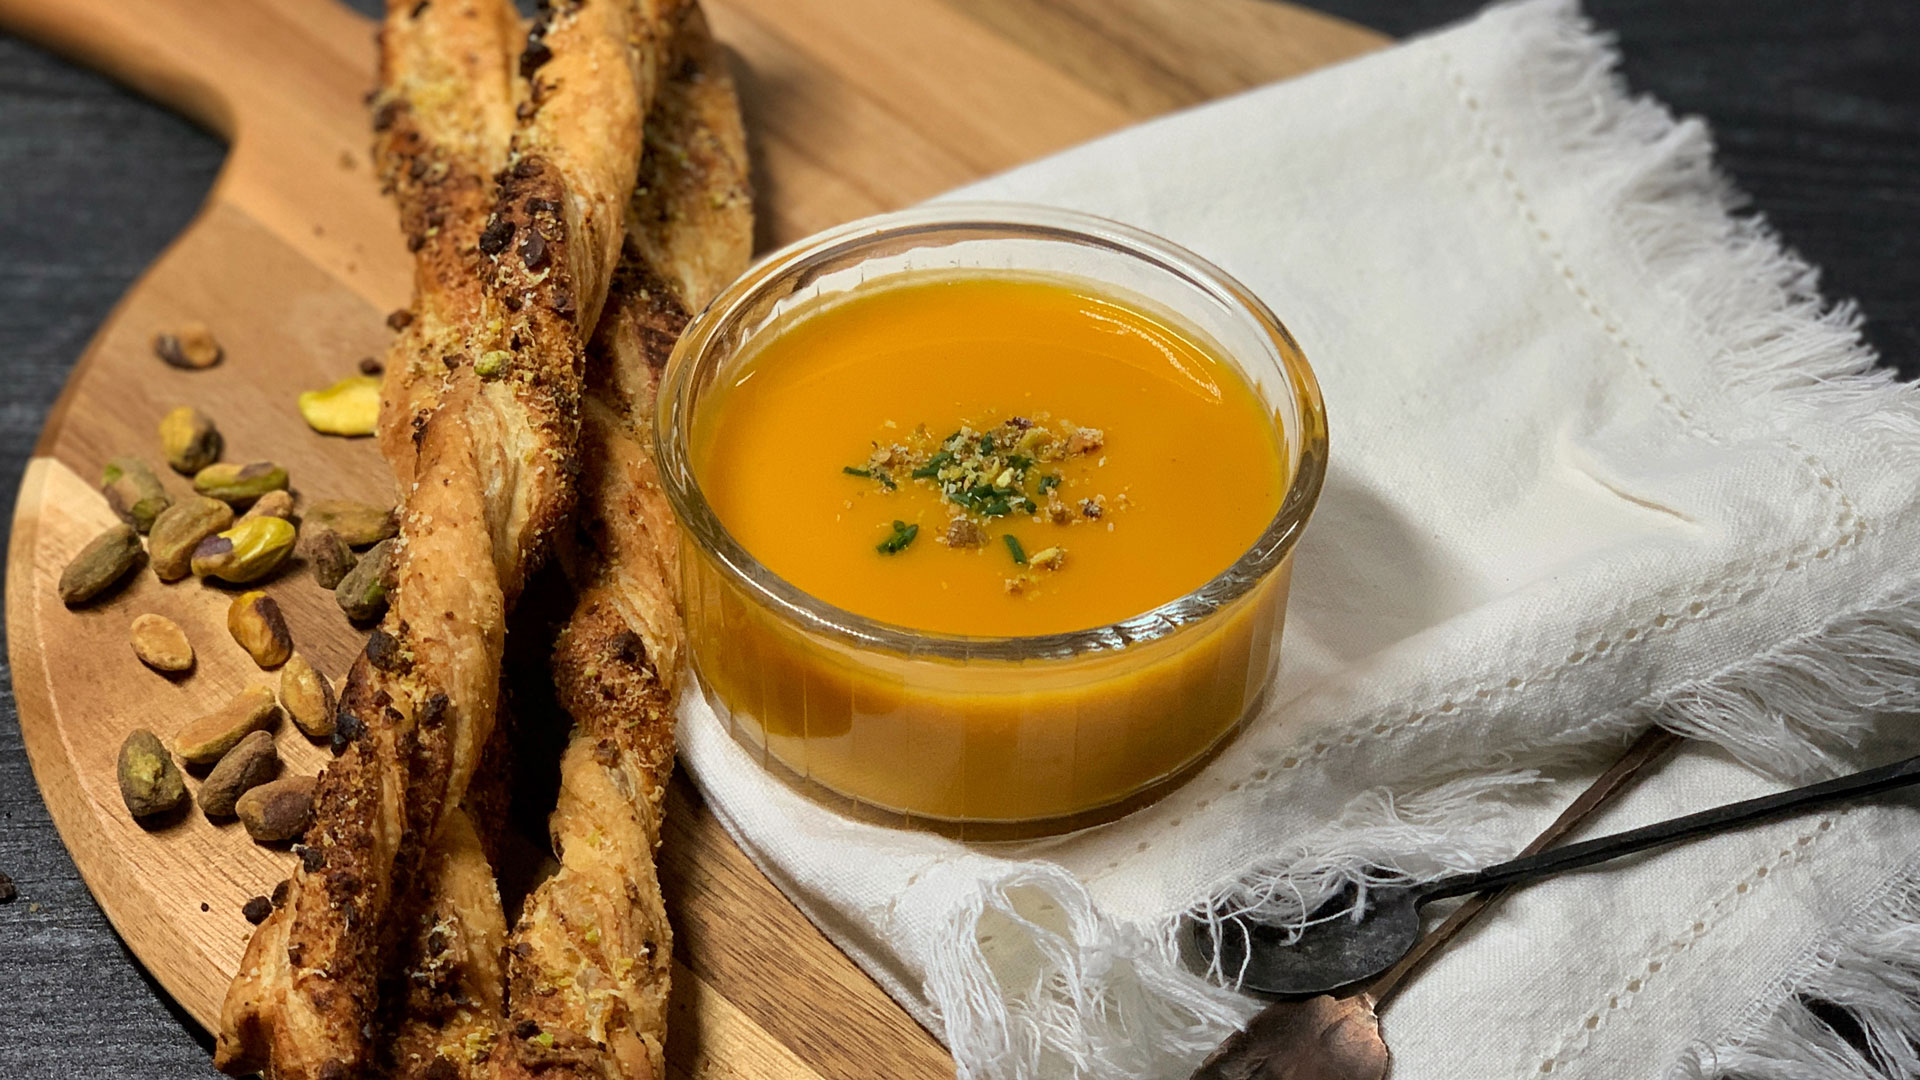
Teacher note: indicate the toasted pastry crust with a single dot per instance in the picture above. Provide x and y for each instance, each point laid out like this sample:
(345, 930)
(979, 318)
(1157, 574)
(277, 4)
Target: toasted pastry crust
(492, 464)
(590, 958)
(591, 955)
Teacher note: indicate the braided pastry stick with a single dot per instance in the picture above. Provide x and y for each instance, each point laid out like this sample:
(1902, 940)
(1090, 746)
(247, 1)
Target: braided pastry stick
(591, 953)
(493, 458)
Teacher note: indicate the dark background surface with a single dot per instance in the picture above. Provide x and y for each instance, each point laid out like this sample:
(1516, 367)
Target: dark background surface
(1816, 107)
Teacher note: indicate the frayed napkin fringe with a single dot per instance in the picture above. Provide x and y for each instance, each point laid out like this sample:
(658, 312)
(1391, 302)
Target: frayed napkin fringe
(1786, 353)
(1868, 978)
(1031, 980)
(1787, 710)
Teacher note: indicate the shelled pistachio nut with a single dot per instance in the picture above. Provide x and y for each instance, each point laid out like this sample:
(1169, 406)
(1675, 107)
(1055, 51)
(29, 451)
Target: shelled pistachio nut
(273, 504)
(359, 524)
(105, 560)
(362, 594)
(251, 762)
(325, 552)
(348, 407)
(179, 529)
(134, 492)
(307, 697)
(255, 622)
(239, 484)
(248, 551)
(190, 346)
(160, 643)
(208, 739)
(278, 810)
(150, 783)
(189, 440)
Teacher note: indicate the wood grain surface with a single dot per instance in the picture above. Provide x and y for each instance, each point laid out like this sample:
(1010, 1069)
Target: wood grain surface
(854, 106)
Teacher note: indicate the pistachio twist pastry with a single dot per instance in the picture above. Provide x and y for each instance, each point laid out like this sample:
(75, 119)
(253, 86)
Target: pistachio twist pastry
(590, 957)
(493, 461)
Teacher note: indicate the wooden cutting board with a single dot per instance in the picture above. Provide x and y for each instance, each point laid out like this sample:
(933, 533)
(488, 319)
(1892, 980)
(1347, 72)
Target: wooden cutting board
(853, 107)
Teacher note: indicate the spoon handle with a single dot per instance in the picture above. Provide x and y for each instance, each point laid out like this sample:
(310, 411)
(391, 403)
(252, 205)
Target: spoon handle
(1649, 748)
(1719, 819)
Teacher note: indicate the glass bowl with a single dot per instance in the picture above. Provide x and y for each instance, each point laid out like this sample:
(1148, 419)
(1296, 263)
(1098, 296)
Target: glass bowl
(985, 736)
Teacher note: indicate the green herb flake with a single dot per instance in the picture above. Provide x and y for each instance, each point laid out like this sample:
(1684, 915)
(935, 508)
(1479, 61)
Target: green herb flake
(1013, 546)
(903, 535)
(1049, 482)
(885, 480)
(852, 470)
(933, 466)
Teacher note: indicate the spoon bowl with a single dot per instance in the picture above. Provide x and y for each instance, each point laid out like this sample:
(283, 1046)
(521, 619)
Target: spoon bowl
(1325, 956)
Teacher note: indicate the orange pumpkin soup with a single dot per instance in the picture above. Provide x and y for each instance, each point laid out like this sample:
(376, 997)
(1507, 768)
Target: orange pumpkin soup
(989, 457)
(969, 457)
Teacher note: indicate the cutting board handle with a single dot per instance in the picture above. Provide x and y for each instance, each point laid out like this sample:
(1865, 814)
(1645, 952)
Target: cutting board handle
(217, 61)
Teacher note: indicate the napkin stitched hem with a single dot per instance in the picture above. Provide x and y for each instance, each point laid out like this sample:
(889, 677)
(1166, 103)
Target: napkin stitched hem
(1869, 974)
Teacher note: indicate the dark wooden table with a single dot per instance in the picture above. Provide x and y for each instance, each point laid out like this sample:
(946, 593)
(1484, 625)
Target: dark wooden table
(1816, 107)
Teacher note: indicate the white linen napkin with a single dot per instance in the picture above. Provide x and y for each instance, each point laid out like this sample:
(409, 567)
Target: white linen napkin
(1601, 457)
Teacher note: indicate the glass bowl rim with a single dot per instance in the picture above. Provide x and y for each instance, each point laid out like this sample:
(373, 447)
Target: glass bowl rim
(1267, 553)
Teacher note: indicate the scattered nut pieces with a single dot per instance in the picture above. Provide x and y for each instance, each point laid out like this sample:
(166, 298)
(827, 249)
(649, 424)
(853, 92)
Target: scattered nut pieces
(256, 910)
(208, 739)
(964, 532)
(307, 697)
(134, 492)
(255, 622)
(362, 594)
(160, 643)
(179, 529)
(326, 553)
(239, 485)
(348, 407)
(189, 440)
(277, 504)
(192, 346)
(251, 762)
(1048, 558)
(493, 364)
(105, 560)
(248, 551)
(150, 783)
(359, 524)
(277, 810)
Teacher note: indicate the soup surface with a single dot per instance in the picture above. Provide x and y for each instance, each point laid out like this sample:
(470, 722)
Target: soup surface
(988, 456)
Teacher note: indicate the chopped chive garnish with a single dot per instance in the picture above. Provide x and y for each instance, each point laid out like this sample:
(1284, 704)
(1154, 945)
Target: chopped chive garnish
(903, 535)
(933, 466)
(983, 475)
(1013, 546)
